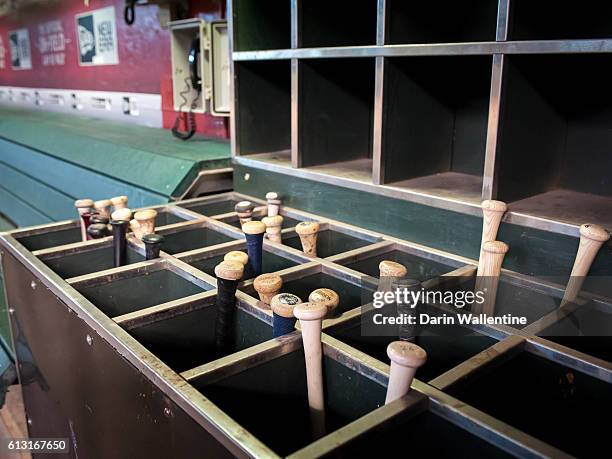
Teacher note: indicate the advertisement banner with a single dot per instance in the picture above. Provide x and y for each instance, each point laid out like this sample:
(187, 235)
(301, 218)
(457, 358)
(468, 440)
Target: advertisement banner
(97, 37)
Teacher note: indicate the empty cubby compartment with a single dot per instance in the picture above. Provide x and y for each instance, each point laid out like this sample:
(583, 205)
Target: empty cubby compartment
(512, 298)
(543, 398)
(278, 388)
(559, 20)
(553, 152)
(51, 238)
(414, 21)
(165, 217)
(194, 238)
(447, 345)
(351, 296)
(130, 294)
(418, 267)
(210, 208)
(271, 263)
(263, 95)
(588, 329)
(88, 261)
(336, 113)
(337, 23)
(187, 340)
(425, 435)
(329, 242)
(434, 126)
(261, 25)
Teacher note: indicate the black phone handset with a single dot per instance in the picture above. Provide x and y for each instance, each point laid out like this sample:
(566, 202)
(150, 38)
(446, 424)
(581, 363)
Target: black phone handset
(194, 81)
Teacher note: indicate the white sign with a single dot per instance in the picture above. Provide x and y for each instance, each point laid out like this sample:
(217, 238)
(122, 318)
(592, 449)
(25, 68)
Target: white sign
(52, 43)
(97, 37)
(21, 57)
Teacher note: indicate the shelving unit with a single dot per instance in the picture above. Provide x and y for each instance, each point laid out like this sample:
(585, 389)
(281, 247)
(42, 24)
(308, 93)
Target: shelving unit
(261, 25)
(443, 105)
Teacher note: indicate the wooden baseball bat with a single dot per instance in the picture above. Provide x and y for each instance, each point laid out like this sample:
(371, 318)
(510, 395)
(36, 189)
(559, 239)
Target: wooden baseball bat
(97, 230)
(406, 358)
(267, 287)
(83, 206)
(308, 232)
(103, 207)
(228, 274)
(122, 214)
(119, 202)
(273, 203)
(487, 276)
(143, 223)
(244, 209)
(283, 320)
(311, 316)
(389, 272)
(274, 227)
(492, 213)
(153, 243)
(592, 237)
(254, 232)
(238, 256)
(327, 297)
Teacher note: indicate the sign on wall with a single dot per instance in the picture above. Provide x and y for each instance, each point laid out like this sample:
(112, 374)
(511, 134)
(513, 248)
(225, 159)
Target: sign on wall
(21, 57)
(97, 37)
(52, 43)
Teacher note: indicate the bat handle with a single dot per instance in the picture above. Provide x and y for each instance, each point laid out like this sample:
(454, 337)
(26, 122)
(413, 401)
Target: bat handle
(311, 316)
(283, 320)
(254, 232)
(119, 242)
(487, 277)
(228, 274)
(592, 237)
(274, 227)
(492, 213)
(406, 358)
(308, 232)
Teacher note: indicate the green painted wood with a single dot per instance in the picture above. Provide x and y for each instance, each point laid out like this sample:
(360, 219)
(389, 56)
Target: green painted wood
(83, 183)
(145, 157)
(55, 204)
(19, 211)
(532, 251)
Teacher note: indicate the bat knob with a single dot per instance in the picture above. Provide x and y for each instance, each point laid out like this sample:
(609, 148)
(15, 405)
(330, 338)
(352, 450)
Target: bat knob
(326, 297)
(84, 203)
(119, 202)
(494, 247)
(390, 268)
(237, 256)
(97, 230)
(152, 244)
(490, 205)
(122, 214)
(310, 311)
(254, 227)
(229, 270)
(283, 304)
(271, 196)
(267, 286)
(307, 228)
(594, 232)
(406, 354)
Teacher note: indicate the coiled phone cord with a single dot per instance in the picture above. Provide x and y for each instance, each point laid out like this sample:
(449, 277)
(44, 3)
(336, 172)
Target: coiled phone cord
(191, 122)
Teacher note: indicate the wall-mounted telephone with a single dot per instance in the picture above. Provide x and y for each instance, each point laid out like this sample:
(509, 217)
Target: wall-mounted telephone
(194, 80)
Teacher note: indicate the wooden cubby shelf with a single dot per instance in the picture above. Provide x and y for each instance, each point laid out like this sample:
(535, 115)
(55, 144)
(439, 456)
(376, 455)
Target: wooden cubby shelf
(337, 23)
(336, 109)
(435, 123)
(444, 104)
(560, 20)
(261, 25)
(416, 21)
(263, 125)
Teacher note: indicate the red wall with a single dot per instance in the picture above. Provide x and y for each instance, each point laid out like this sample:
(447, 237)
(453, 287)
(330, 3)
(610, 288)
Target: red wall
(144, 54)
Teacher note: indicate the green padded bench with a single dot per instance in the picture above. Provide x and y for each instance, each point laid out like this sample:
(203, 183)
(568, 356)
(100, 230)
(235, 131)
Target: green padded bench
(48, 160)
